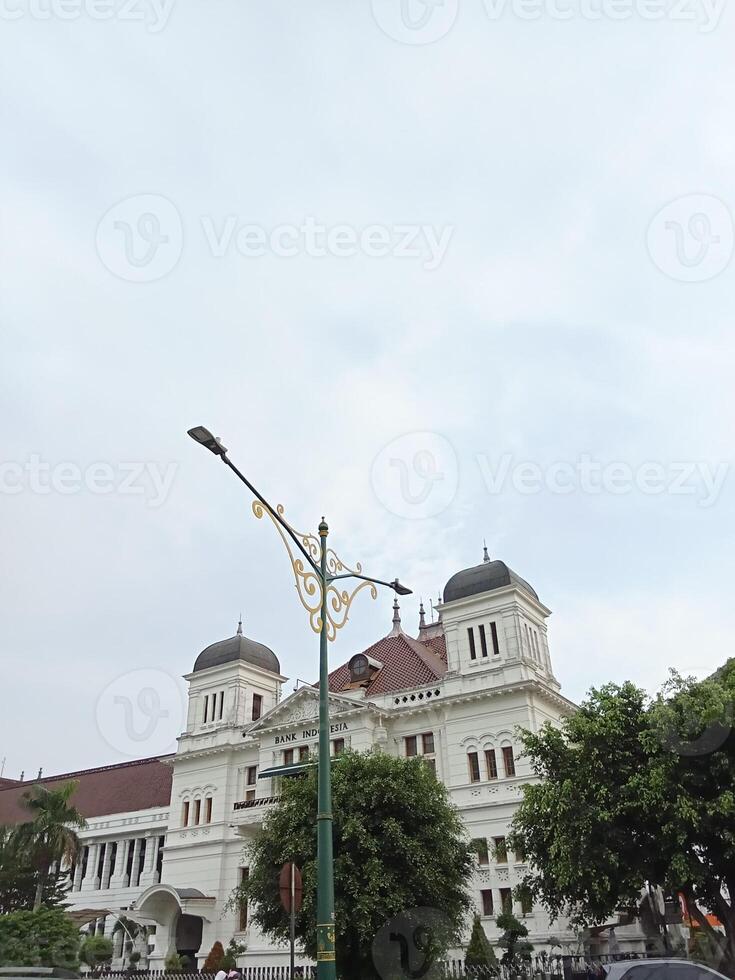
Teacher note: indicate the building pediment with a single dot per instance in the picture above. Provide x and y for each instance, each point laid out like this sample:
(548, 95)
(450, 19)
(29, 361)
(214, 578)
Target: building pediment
(302, 709)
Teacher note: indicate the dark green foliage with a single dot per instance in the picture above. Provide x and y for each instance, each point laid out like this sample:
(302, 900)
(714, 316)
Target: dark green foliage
(230, 955)
(50, 835)
(95, 950)
(513, 940)
(19, 877)
(637, 791)
(46, 937)
(480, 954)
(399, 844)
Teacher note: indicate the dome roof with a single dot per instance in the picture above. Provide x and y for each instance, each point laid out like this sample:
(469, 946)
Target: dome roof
(238, 647)
(486, 577)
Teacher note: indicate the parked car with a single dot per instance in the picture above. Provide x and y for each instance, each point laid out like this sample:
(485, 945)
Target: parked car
(660, 970)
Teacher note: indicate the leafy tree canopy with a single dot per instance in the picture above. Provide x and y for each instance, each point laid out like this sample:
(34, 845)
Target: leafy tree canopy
(95, 950)
(636, 790)
(19, 876)
(43, 938)
(50, 835)
(399, 845)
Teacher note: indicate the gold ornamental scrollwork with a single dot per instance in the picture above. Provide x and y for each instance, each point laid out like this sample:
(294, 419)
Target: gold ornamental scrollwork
(309, 582)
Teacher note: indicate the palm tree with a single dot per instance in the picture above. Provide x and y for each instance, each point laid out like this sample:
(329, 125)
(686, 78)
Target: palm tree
(50, 833)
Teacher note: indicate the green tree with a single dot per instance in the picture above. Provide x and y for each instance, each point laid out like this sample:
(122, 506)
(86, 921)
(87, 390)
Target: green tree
(229, 959)
(19, 877)
(636, 791)
(513, 940)
(51, 832)
(95, 950)
(480, 955)
(46, 937)
(399, 845)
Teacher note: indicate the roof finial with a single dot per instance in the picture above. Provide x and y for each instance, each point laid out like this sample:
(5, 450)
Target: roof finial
(485, 555)
(422, 616)
(239, 626)
(438, 603)
(396, 618)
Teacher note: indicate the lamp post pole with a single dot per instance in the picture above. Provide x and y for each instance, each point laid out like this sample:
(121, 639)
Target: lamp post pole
(316, 569)
(325, 926)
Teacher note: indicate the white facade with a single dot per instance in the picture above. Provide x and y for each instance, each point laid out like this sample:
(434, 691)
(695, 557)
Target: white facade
(469, 713)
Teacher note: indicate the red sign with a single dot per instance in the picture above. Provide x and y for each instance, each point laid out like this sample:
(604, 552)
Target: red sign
(290, 886)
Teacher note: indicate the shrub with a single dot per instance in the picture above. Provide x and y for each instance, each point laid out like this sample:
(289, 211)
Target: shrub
(173, 963)
(47, 937)
(95, 950)
(214, 959)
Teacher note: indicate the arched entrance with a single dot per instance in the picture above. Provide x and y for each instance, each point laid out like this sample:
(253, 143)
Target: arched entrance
(189, 938)
(179, 914)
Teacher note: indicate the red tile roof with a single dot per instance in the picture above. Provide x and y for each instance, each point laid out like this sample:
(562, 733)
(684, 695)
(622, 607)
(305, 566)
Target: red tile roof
(406, 664)
(138, 785)
(439, 645)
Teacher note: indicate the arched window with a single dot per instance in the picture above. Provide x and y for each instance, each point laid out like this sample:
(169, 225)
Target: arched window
(208, 809)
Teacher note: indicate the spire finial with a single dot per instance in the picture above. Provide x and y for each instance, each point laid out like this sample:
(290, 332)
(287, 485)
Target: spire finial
(438, 603)
(485, 555)
(239, 626)
(396, 618)
(422, 616)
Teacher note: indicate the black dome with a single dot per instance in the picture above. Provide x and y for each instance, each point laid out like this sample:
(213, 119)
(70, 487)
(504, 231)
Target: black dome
(484, 578)
(238, 647)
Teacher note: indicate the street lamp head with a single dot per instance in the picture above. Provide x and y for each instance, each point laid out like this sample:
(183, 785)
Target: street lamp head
(400, 589)
(205, 438)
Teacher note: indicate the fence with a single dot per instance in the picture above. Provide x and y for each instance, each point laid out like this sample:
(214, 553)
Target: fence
(550, 967)
(556, 967)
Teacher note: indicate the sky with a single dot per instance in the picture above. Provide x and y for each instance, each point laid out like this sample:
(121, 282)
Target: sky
(443, 272)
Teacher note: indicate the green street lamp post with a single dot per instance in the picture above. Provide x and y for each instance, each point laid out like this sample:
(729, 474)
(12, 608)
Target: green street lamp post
(316, 568)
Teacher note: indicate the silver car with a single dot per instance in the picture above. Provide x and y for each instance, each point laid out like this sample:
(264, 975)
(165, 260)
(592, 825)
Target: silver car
(660, 970)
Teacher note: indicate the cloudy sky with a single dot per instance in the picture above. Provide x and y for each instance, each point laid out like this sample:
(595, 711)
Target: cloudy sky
(441, 272)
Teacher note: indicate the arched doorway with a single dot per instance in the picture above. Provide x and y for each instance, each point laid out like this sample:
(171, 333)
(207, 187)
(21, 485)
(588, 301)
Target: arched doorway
(188, 938)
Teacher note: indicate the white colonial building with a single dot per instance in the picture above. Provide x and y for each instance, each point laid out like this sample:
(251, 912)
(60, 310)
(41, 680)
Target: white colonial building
(166, 836)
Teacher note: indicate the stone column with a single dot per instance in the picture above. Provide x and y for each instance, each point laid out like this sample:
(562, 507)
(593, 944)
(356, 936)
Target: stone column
(149, 868)
(136, 860)
(77, 882)
(92, 858)
(105, 879)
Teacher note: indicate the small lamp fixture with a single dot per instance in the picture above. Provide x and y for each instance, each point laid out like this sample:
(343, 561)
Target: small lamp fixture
(205, 438)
